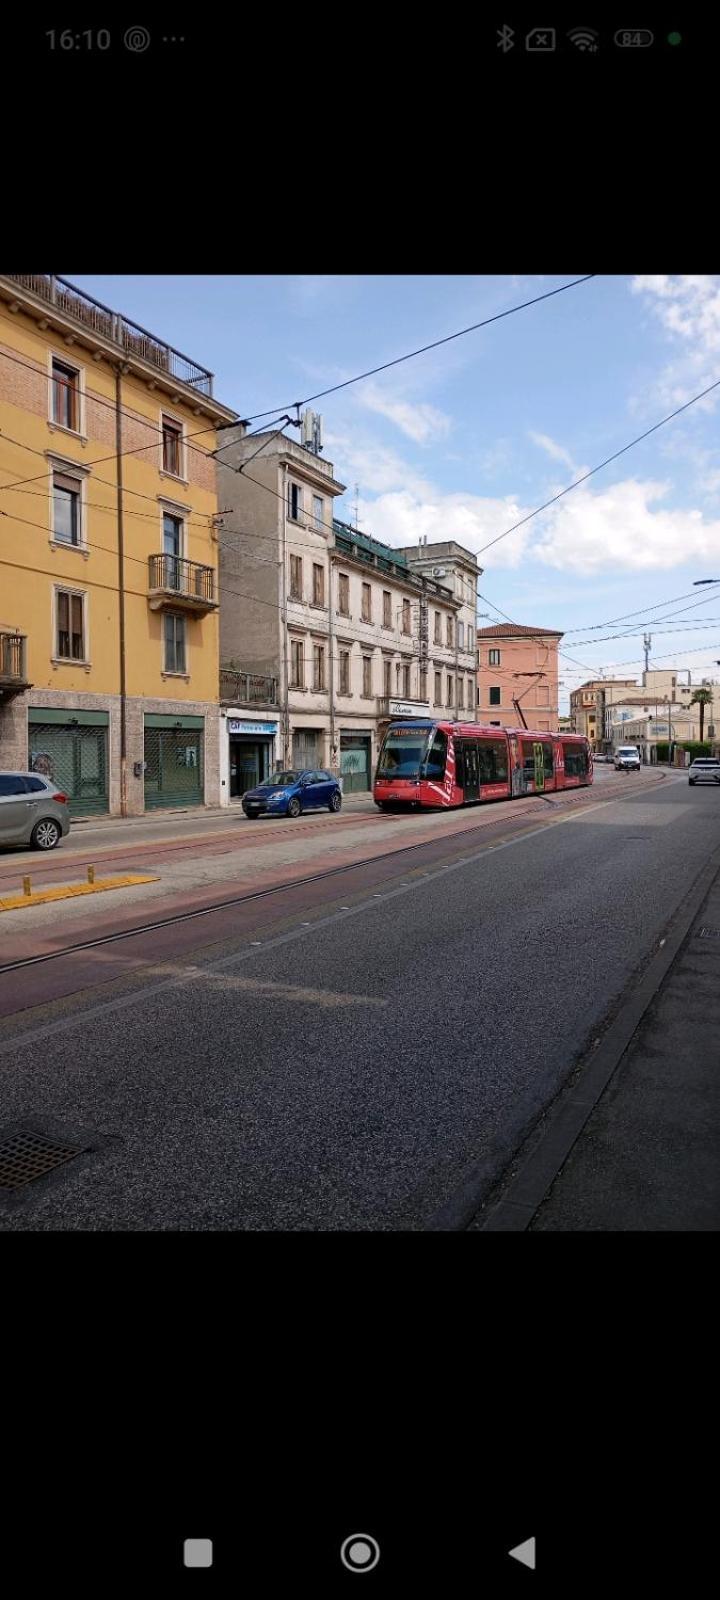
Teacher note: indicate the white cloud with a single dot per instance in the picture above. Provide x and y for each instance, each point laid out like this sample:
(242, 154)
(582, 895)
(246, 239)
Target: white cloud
(623, 529)
(687, 306)
(419, 421)
(401, 517)
(555, 450)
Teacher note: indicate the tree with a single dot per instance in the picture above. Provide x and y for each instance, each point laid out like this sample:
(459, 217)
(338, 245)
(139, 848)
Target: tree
(702, 698)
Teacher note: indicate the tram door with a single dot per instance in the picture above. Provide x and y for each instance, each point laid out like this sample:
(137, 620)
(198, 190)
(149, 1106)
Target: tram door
(471, 772)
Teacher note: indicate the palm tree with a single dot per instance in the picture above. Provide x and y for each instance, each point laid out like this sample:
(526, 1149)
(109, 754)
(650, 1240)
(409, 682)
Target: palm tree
(702, 698)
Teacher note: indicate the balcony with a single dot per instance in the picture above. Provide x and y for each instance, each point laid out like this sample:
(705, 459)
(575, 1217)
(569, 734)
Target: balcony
(247, 688)
(13, 665)
(180, 584)
(131, 338)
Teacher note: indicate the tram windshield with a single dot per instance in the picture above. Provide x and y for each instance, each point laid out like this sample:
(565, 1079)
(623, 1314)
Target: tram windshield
(403, 751)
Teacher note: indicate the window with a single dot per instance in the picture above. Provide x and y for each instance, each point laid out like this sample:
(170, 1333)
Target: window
(70, 641)
(172, 548)
(318, 666)
(65, 409)
(67, 506)
(387, 609)
(461, 635)
(318, 511)
(406, 682)
(434, 766)
(296, 578)
(438, 688)
(461, 694)
(543, 695)
(544, 726)
(450, 633)
(172, 438)
(494, 658)
(576, 761)
(36, 785)
(11, 785)
(367, 676)
(366, 603)
(294, 501)
(318, 585)
(438, 627)
(344, 687)
(423, 683)
(174, 643)
(406, 616)
(387, 679)
(449, 699)
(297, 664)
(471, 641)
(494, 697)
(492, 760)
(343, 594)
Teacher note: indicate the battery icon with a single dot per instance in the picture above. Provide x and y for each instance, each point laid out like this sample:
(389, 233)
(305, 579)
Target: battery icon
(634, 38)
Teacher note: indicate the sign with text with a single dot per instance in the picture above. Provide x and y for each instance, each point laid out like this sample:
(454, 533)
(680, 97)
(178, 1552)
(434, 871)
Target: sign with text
(409, 708)
(234, 726)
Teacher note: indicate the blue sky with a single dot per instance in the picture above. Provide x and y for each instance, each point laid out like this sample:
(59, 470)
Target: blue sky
(464, 441)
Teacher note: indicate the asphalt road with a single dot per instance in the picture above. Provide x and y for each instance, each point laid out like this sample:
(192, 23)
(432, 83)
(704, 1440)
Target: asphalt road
(353, 1067)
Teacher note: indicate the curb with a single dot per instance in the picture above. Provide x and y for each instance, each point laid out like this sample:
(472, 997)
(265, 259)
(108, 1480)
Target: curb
(567, 1116)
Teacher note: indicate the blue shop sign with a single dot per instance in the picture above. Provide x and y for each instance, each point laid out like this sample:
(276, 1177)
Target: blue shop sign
(267, 728)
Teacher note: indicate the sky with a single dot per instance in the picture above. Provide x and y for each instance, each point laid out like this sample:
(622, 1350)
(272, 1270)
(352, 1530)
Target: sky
(464, 441)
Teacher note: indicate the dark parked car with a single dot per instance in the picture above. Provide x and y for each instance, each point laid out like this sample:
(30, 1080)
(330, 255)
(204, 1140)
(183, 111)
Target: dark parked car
(289, 793)
(704, 770)
(32, 810)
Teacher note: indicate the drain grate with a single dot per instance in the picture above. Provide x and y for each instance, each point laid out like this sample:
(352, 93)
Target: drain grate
(26, 1156)
(709, 933)
(35, 1154)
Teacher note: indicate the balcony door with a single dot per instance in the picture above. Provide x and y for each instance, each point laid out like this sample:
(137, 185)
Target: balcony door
(172, 550)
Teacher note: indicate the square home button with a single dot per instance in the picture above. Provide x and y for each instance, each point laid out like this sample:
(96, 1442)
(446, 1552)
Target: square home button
(198, 1553)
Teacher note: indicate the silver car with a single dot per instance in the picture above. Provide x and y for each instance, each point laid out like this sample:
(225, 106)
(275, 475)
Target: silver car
(33, 811)
(705, 770)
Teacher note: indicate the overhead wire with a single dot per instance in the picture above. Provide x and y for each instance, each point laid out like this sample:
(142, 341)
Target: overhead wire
(434, 345)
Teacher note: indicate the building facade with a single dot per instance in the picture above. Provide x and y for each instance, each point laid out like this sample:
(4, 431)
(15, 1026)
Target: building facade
(109, 642)
(591, 703)
(516, 662)
(339, 630)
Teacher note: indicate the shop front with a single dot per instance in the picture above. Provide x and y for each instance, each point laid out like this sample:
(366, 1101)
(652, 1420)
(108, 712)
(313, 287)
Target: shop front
(174, 757)
(71, 748)
(355, 761)
(251, 750)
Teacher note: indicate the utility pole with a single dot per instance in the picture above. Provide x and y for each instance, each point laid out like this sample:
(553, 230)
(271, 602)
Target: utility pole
(647, 641)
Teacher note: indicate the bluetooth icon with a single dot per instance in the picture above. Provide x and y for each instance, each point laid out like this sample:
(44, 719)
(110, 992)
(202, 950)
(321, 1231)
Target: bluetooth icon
(505, 39)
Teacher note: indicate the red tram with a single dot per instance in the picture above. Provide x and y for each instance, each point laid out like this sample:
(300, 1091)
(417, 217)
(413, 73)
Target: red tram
(443, 764)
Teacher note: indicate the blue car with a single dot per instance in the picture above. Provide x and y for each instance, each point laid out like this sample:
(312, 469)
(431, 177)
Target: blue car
(290, 793)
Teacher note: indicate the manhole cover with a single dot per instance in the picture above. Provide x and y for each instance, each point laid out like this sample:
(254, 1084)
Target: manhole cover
(33, 1155)
(709, 933)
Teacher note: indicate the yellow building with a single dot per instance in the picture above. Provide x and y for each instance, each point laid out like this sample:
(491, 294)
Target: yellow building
(109, 663)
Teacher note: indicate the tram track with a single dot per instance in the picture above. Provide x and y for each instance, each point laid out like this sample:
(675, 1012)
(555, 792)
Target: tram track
(578, 801)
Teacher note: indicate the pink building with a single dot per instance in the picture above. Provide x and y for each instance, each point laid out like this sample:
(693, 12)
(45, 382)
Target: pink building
(519, 662)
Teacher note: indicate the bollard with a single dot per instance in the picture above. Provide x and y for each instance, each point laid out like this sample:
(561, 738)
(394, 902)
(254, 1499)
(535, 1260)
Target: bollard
(27, 886)
(91, 874)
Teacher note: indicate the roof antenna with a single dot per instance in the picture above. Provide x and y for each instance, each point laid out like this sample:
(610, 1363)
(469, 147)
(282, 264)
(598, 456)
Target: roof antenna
(356, 507)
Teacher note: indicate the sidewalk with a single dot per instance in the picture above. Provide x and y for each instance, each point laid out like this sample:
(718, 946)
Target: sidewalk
(634, 1143)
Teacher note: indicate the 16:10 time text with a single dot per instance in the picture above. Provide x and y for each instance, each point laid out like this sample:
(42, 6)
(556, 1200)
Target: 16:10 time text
(88, 40)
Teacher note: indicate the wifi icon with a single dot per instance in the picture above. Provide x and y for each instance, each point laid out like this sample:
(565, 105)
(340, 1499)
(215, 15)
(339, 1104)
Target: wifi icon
(584, 38)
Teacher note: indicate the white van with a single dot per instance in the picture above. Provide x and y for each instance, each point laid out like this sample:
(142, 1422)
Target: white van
(627, 758)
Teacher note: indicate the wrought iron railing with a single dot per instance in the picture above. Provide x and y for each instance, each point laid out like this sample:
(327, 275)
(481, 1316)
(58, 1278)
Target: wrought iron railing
(173, 574)
(13, 656)
(247, 688)
(111, 325)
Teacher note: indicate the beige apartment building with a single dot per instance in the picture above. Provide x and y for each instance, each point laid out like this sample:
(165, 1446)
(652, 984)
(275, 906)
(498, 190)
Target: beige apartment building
(521, 663)
(591, 703)
(325, 633)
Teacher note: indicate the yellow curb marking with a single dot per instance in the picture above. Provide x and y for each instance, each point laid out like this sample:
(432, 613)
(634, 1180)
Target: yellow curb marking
(71, 891)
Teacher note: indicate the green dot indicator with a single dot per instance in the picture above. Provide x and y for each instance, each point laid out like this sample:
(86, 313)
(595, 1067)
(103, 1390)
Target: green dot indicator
(674, 38)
